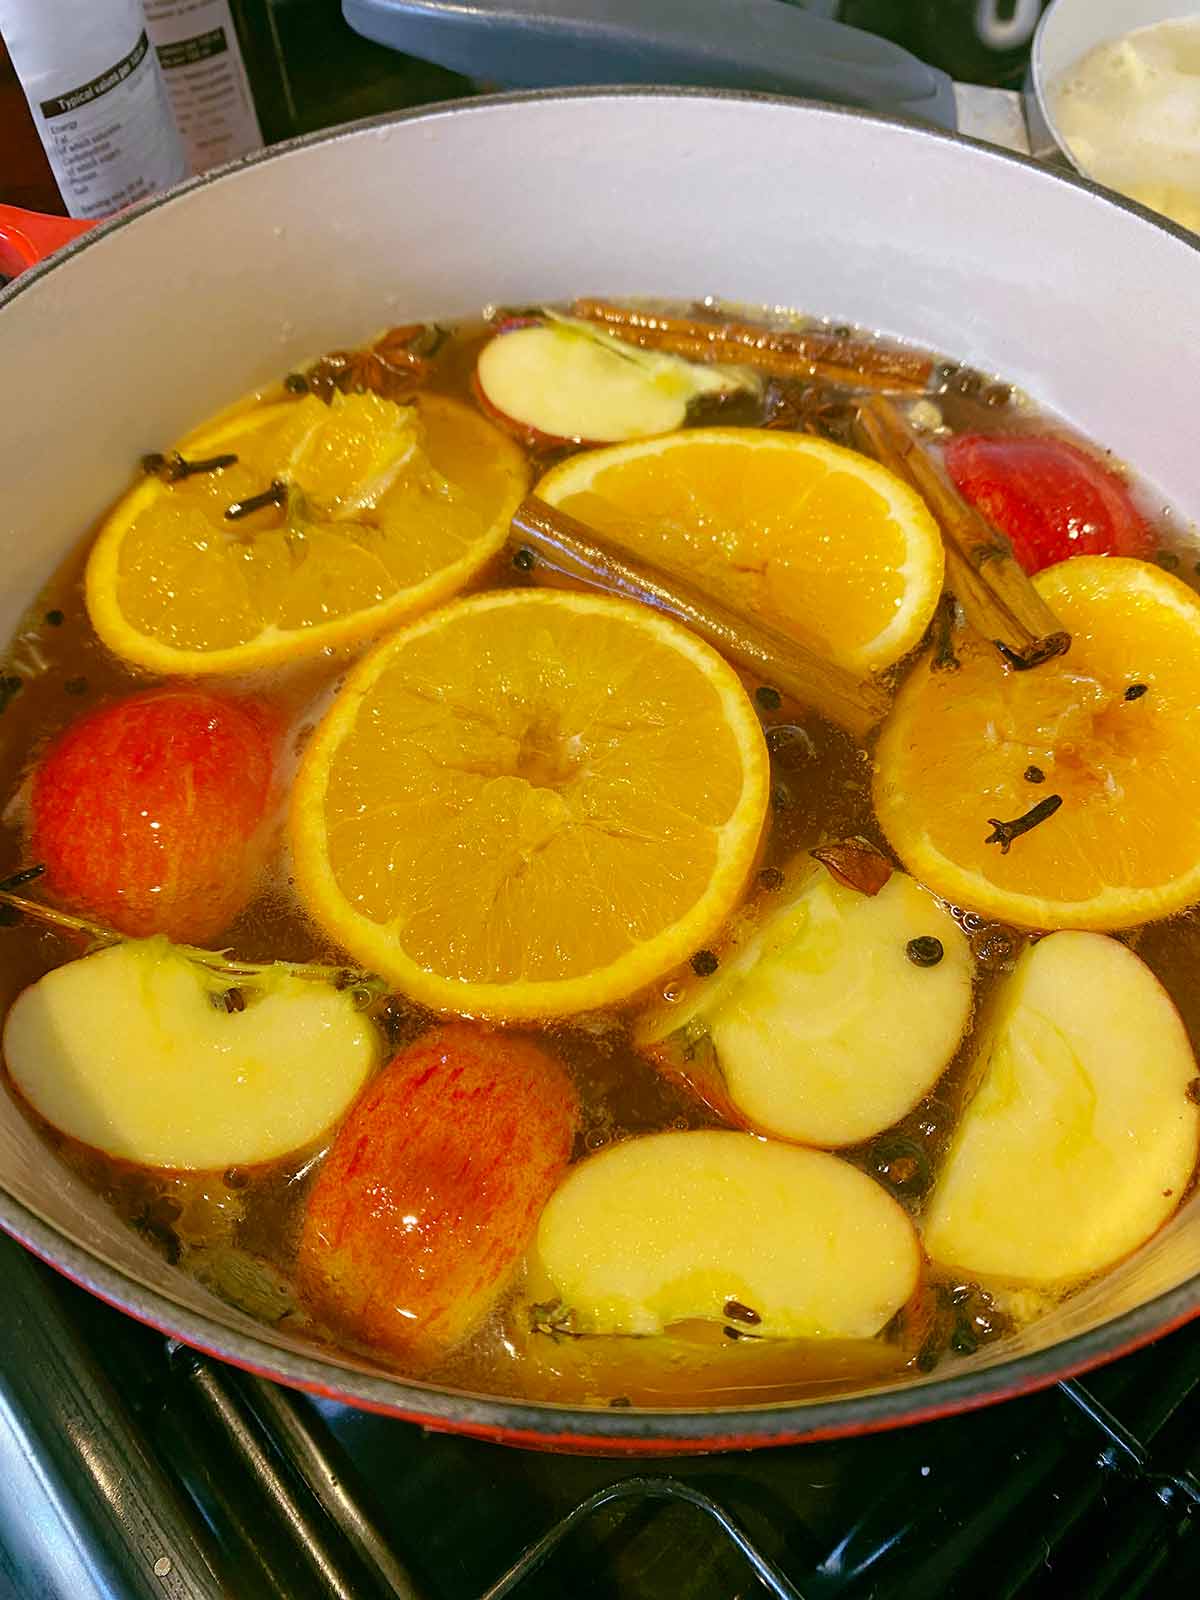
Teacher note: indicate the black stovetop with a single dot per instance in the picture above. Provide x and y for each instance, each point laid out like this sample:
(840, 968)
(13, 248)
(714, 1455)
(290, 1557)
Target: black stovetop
(130, 1467)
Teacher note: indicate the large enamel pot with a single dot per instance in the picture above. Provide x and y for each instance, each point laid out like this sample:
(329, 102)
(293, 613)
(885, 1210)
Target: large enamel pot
(133, 333)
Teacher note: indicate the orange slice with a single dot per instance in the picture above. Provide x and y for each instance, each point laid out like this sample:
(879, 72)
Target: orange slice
(819, 541)
(530, 804)
(389, 509)
(1114, 727)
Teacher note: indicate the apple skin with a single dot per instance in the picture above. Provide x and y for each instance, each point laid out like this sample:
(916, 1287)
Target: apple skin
(150, 813)
(423, 1209)
(524, 432)
(695, 1067)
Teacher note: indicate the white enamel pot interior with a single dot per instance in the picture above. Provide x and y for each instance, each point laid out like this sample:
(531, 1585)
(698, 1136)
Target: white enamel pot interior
(155, 320)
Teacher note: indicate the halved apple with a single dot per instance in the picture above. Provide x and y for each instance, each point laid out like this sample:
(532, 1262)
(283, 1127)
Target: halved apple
(782, 1242)
(819, 1024)
(126, 1050)
(562, 381)
(1080, 1137)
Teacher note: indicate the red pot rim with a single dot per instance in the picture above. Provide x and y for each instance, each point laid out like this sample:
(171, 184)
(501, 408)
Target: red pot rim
(601, 1431)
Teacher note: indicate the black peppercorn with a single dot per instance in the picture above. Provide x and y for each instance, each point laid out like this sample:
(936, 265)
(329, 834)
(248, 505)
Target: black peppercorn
(769, 699)
(790, 746)
(902, 1164)
(704, 963)
(925, 951)
(523, 559)
(1135, 691)
(963, 1340)
(996, 947)
(1034, 775)
(771, 878)
(737, 1312)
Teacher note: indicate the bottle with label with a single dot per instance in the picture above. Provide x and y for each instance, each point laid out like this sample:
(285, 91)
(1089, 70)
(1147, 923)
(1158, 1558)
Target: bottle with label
(97, 100)
(201, 57)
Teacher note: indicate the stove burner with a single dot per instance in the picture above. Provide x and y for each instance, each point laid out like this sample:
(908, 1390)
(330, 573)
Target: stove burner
(1125, 1451)
(135, 1468)
(645, 1489)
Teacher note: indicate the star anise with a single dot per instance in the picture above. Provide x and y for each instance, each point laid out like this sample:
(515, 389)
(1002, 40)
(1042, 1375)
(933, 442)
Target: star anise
(794, 407)
(394, 367)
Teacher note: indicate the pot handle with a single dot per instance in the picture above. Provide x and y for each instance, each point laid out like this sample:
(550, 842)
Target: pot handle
(767, 45)
(27, 237)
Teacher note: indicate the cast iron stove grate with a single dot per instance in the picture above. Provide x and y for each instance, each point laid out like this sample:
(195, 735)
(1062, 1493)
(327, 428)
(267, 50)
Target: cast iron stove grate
(132, 1468)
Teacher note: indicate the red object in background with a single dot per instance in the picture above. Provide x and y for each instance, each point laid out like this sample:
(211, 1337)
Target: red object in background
(149, 813)
(1051, 498)
(27, 237)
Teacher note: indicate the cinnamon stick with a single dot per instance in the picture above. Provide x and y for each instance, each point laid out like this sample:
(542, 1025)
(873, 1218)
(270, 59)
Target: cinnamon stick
(570, 550)
(996, 594)
(781, 352)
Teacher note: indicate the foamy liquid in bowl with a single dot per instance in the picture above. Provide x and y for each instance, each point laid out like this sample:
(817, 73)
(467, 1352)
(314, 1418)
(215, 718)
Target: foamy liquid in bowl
(1129, 114)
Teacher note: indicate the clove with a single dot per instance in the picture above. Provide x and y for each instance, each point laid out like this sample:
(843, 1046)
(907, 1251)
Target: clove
(1003, 833)
(275, 495)
(173, 468)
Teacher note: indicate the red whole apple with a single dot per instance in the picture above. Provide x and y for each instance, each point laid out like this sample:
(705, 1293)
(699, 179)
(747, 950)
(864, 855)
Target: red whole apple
(1051, 498)
(425, 1204)
(149, 813)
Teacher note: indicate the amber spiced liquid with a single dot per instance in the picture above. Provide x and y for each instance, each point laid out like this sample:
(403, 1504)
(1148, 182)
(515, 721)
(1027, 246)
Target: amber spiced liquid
(237, 1229)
